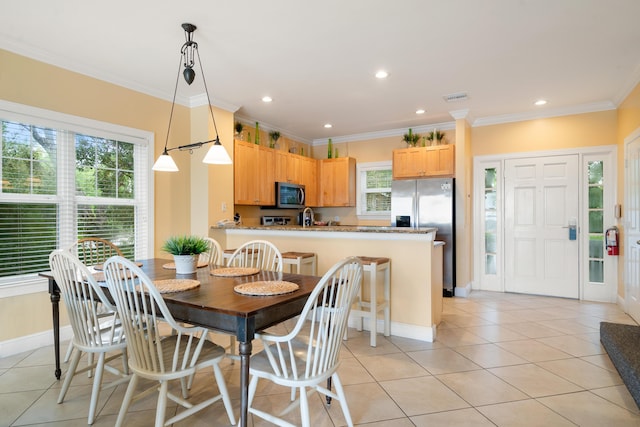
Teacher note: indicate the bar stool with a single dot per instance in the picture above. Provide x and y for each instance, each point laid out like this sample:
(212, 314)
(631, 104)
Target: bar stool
(371, 308)
(298, 259)
(227, 253)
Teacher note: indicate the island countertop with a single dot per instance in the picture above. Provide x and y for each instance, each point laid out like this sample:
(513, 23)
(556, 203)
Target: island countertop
(332, 228)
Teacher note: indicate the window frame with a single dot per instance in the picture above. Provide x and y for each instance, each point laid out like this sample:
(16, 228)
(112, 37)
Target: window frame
(143, 142)
(361, 169)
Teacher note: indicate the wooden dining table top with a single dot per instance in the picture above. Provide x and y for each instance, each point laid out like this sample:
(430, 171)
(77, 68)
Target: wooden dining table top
(216, 305)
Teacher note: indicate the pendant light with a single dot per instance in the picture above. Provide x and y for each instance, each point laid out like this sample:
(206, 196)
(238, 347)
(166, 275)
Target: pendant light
(216, 155)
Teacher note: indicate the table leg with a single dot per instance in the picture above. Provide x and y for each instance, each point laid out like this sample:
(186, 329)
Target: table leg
(55, 306)
(244, 348)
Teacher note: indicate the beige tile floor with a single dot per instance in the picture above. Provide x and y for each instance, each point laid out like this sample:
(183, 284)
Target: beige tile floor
(499, 360)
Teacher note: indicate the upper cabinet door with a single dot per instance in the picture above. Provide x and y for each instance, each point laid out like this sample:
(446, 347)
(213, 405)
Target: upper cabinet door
(423, 162)
(254, 174)
(338, 182)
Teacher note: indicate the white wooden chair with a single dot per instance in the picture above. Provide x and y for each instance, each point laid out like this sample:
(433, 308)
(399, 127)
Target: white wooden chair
(257, 253)
(92, 333)
(94, 250)
(308, 356)
(160, 357)
(214, 255)
(91, 251)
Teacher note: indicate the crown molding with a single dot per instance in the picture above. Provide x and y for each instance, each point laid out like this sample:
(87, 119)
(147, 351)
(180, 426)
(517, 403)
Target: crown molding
(627, 88)
(544, 114)
(202, 99)
(460, 114)
(385, 133)
(267, 127)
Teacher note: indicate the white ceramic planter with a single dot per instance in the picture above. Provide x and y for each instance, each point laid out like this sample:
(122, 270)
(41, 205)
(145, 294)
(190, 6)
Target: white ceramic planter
(185, 264)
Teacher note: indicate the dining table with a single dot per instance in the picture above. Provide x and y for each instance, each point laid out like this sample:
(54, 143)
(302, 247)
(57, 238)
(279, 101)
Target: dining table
(215, 304)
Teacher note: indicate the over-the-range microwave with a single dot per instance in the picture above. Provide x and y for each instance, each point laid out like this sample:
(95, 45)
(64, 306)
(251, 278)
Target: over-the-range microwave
(289, 196)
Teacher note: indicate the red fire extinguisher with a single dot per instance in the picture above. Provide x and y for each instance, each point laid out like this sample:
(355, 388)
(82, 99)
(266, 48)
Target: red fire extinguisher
(611, 241)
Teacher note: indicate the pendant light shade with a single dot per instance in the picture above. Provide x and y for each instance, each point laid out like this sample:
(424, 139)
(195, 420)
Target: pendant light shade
(165, 164)
(216, 155)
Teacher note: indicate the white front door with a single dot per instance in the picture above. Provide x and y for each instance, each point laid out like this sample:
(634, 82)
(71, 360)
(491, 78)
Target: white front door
(632, 228)
(541, 202)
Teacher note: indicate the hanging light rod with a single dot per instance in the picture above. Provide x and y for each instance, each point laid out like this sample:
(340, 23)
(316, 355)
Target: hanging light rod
(216, 154)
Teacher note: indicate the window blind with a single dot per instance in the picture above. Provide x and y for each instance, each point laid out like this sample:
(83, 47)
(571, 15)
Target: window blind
(65, 181)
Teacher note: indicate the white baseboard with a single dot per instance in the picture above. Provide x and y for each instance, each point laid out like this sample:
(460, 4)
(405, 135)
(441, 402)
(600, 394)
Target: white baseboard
(463, 291)
(622, 303)
(34, 341)
(403, 330)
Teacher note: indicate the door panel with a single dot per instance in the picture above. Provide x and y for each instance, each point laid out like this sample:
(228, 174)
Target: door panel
(632, 229)
(541, 197)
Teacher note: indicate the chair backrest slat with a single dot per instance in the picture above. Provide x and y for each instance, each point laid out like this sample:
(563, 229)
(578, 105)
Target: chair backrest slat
(321, 324)
(147, 320)
(82, 296)
(94, 250)
(258, 254)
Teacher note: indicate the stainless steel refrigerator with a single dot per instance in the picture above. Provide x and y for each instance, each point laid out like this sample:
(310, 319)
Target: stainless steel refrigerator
(429, 202)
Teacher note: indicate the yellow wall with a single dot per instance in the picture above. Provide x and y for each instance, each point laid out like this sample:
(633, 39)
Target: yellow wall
(580, 130)
(29, 82)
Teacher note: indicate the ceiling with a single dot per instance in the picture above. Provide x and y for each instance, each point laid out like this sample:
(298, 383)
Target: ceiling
(317, 59)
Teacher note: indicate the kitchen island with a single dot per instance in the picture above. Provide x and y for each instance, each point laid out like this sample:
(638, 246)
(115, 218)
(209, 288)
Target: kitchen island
(416, 264)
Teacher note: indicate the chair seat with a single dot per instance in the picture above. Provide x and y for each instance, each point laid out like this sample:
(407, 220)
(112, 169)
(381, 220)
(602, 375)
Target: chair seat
(368, 260)
(211, 353)
(260, 365)
(298, 259)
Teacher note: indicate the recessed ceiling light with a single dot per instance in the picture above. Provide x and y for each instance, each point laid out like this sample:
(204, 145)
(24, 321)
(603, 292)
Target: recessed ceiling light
(328, 126)
(382, 74)
(420, 111)
(266, 99)
(540, 102)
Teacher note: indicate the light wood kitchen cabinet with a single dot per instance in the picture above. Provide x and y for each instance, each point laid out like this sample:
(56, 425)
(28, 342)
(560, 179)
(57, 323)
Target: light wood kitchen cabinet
(422, 162)
(287, 167)
(308, 173)
(253, 173)
(338, 182)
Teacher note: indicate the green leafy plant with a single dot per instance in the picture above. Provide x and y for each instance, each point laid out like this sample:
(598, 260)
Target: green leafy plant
(238, 127)
(275, 135)
(185, 245)
(435, 136)
(411, 138)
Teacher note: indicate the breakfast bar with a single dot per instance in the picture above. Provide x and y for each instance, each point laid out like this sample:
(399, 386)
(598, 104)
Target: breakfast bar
(416, 263)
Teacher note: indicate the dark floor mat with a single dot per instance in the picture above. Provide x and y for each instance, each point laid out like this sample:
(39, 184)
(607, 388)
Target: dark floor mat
(622, 343)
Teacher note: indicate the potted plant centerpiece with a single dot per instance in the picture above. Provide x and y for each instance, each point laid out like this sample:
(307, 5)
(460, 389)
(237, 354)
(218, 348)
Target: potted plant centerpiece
(411, 138)
(185, 251)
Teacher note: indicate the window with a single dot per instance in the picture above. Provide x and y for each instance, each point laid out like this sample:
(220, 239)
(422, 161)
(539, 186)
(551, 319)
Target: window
(65, 180)
(490, 224)
(596, 221)
(374, 190)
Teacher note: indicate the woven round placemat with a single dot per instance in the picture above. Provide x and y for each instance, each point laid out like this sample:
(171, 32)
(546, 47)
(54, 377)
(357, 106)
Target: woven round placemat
(172, 265)
(175, 285)
(234, 271)
(266, 288)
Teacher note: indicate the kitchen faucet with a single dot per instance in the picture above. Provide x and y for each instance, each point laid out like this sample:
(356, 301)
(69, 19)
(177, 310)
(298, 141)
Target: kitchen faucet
(304, 217)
